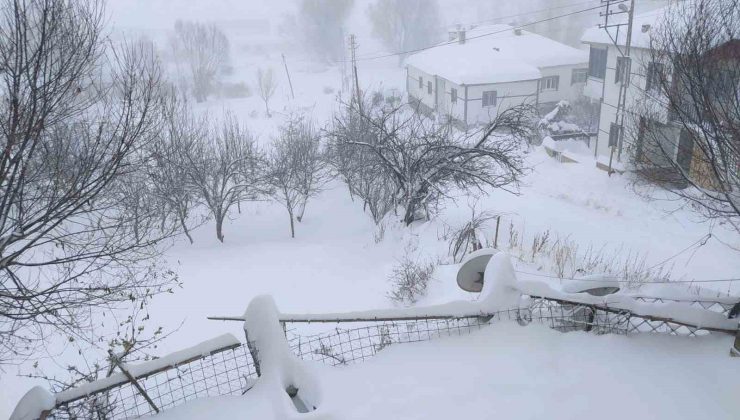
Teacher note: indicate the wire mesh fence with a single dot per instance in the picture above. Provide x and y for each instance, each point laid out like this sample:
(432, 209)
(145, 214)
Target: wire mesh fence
(231, 370)
(226, 372)
(340, 346)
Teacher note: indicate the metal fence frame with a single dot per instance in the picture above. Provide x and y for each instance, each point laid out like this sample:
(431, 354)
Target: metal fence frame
(231, 370)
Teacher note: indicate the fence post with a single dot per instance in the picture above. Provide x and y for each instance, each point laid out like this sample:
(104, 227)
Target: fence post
(133, 381)
(495, 239)
(735, 350)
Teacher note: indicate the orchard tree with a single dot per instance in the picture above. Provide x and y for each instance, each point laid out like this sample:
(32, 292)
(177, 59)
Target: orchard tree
(422, 159)
(76, 118)
(298, 170)
(225, 168)
(266, 85)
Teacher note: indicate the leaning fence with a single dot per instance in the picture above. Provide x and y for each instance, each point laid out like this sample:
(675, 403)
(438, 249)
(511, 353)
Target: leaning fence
(224, 371)
(230, 370)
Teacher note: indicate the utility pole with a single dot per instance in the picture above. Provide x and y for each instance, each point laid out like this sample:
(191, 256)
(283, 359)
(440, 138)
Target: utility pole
(353, 51)
(287, 73)
(623, 70)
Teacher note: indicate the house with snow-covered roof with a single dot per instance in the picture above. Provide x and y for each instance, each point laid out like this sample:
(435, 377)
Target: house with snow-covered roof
(482, 71)
(650, 124)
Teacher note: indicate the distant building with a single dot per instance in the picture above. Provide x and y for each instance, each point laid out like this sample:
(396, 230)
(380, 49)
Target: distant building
(482, 71)
(608, 69)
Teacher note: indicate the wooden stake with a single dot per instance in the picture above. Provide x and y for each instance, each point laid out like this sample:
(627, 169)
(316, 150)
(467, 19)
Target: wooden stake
(133, 381)
(287, 73)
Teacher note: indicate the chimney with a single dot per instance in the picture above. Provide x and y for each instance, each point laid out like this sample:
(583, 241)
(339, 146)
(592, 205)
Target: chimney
(460, 34)
(517, 31)
(452, 36)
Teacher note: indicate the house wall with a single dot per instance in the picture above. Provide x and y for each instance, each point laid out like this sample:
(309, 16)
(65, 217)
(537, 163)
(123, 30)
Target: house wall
(635, 98)
(508, 95)
(567, 90)
(412, 86)
(440, 100)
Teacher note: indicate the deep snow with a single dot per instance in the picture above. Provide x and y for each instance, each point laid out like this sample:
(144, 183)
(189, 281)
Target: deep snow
(335, 265)
(513, 372)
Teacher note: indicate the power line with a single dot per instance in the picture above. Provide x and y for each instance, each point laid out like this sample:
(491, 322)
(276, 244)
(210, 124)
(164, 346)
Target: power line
(483, 35)
(531, 12)
(498, 19)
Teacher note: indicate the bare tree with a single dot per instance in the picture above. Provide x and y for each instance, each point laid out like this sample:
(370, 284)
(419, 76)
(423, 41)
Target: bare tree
(687, 124)
(423, 159)
(181, 131)
(205, 50)
(75, 120)
(405, 25)
(358, 167)
(319, 26)
(267, 86)
(224, 168)
(132, 339)
(297, 167)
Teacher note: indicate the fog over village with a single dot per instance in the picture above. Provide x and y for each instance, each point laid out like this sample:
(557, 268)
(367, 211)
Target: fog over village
(369, 209)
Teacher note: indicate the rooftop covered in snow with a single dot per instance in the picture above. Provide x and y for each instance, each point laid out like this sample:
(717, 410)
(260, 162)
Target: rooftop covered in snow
(496, 54)
(643, 24)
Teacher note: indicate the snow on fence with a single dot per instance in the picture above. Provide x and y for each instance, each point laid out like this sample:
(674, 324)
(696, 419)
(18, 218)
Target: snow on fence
(221, 366)
(211, 369)
(224, 366)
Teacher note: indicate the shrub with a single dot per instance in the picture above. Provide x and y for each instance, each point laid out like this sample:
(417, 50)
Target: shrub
(409, 280)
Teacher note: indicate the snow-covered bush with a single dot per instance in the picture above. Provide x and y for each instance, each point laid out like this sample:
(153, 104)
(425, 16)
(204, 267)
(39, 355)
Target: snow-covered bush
(409, 280)
(469, 237)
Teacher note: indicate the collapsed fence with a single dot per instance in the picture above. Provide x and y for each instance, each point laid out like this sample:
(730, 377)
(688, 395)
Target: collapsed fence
(230, 369)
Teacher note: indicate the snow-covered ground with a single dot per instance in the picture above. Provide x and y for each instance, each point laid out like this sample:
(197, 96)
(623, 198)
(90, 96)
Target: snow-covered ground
(334, 264)
(513, 372)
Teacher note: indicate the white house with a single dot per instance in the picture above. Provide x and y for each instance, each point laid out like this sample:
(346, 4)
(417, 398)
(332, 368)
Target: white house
(608, 69)
(482, 71)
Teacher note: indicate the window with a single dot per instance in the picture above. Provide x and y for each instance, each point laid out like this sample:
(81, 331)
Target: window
(597, 63)
(614, 132)
(489, 98)
(429, 87)
(621, 73)
(654, 76)
(578, 76)
(549, 83)
(453, 95)
(421, 82)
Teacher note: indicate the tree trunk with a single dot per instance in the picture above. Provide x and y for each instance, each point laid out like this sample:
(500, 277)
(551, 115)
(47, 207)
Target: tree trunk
(219, 227)
(292, 225)
(408, 217)
(267, 109)
(301, 208)
(185, 229)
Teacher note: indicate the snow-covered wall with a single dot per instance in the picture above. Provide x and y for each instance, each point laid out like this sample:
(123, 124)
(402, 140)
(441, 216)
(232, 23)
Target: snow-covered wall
(567, 90)
(508, 95)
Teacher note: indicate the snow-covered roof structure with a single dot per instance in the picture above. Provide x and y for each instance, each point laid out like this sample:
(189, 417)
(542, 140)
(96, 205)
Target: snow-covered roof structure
(496, 54)
(679, 16)
(642, 26)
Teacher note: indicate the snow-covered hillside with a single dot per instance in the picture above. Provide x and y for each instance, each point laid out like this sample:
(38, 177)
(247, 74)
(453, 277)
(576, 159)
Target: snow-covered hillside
(340, 261)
